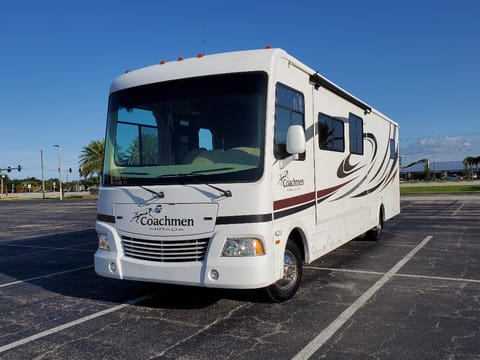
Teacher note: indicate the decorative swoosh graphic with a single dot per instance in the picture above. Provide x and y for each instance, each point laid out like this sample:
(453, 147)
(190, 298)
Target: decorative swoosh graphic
(389, 172)
(384, 175)
(345, 168)
(372, 140)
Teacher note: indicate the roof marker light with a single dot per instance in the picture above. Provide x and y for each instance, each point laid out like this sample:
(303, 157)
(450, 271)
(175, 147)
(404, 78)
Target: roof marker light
(180, 58)
(268, 47)
(127, 71)
(163, 62)
(199, 56)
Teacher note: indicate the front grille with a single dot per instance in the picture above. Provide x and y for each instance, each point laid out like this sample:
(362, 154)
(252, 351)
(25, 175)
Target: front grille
(165, 250)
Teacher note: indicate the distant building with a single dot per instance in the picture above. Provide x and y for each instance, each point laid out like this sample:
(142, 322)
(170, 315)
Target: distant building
(439, 169)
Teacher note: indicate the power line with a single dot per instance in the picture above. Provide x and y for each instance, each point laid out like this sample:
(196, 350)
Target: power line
(453, 135)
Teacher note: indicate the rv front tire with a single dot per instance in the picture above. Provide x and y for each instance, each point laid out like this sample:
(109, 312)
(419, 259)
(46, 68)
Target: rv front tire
(287, 286)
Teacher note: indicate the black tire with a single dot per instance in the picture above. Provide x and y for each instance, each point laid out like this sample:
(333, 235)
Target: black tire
(375, 234)
(285, 288)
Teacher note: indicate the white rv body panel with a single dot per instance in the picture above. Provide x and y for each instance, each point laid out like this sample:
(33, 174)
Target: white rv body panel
(340, 188)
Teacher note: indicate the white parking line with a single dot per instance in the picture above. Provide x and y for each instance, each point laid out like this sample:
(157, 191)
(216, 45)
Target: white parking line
(70, 324)
(442, 278)
(47, 249)
(336, 324)
(45, 276)
(458, 209)
(428, 277)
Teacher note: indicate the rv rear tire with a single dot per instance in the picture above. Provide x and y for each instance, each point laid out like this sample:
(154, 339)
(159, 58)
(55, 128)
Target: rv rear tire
(287, 286)
(375, 234)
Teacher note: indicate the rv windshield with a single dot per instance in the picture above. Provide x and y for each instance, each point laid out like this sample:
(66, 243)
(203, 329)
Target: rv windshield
(207, 129)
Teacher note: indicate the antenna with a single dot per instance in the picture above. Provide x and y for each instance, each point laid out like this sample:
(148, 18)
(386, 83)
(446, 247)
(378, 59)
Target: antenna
(205, 36)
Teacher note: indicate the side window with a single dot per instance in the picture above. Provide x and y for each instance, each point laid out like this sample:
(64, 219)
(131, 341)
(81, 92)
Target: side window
(392, 148)
(289, 110)
(205, 139)
(330, 133)
(356, 134)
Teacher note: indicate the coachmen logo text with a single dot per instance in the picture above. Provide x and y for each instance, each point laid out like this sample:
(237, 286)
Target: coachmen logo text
(287, 181)
(162, 223)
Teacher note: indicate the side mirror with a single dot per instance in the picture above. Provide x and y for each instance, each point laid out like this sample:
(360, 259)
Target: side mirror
(295, 140)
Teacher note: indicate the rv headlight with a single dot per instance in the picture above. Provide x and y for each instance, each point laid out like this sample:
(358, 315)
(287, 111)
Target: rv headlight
(243, 247)
(103, 242)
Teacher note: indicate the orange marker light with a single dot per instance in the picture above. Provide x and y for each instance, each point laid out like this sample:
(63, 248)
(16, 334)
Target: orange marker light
(163, 62)
(180, 58)
(259, 248)
(277, 242)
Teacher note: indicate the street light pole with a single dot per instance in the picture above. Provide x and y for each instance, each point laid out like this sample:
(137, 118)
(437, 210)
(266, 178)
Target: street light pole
(2, 192)
(43, 178)
(59, 172)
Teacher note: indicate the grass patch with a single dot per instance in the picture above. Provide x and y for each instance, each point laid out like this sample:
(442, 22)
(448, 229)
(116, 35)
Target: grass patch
(447, 189)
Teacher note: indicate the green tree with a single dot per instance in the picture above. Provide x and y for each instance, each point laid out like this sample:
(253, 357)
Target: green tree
(468, 163)
(91, 158)
(476, 161)
(148, 154)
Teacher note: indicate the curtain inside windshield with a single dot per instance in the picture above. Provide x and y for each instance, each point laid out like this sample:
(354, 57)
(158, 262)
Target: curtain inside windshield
(210, 127)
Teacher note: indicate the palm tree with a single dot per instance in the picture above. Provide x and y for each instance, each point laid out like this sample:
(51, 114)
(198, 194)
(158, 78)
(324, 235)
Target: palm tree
(476, 161)
(468, 163)
(91, 158)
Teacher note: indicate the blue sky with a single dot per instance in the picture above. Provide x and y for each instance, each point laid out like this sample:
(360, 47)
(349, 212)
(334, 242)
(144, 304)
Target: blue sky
(418, 61)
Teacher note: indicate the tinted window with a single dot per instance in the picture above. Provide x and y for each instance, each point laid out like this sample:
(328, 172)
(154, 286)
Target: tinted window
(356, 134)
(208, 129)
(330, 133)
(289, 110)
(392, 149)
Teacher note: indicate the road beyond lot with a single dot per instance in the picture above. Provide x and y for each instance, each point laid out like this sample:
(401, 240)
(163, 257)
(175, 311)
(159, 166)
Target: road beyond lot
(413, 295)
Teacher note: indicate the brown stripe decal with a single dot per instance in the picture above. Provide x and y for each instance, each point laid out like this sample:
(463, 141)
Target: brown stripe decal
(328, 191)
(306, 198)
(296, 200)
(106, 218)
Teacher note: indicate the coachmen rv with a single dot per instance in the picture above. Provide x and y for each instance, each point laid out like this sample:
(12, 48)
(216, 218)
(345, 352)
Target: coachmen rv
(233, 170)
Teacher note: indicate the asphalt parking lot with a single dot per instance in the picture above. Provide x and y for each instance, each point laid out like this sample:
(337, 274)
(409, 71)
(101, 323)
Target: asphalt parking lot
(413, 295)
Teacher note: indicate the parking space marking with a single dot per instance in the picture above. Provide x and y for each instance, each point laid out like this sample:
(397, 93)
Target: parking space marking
(458, 209)
(36, 238)
(439, 278)
(202, 330)
(47, 249)
(336, 324)
(45, 276)
(71, 324)
(442, 278)
(345, 270)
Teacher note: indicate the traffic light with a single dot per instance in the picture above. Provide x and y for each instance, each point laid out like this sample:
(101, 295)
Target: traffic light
(9, 169)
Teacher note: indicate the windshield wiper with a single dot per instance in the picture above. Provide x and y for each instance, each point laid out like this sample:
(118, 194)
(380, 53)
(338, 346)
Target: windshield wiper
(191, 175)
(226, 193)
(158, 194)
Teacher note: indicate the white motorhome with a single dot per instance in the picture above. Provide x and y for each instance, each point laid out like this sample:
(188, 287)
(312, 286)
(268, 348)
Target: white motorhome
(233, 170)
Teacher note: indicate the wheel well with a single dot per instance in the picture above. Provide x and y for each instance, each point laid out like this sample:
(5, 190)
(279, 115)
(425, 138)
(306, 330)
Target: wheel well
(297, 237)
(382, 214)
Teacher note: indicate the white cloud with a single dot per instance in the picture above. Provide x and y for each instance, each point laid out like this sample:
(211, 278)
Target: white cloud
(442, 149)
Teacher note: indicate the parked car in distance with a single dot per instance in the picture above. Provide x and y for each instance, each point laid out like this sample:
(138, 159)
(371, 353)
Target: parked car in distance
(452, 177)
